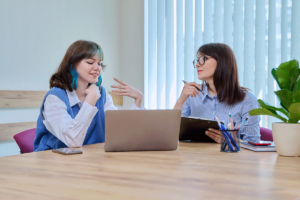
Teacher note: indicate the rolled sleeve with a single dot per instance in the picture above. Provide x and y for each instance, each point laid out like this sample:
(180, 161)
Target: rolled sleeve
(86, 113)
(251, 129)
(186, 108)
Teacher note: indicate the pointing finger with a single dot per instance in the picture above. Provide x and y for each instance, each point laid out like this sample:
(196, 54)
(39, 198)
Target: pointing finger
(118, 86)
(119, 81)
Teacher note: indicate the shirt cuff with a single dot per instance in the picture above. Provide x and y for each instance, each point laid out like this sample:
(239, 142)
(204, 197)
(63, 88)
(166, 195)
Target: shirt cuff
(135, 107)
(86, 113)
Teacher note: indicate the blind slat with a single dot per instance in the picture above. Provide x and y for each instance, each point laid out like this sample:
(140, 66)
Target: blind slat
(188, 42)
(271, 55)
(161, 54)
(146, 53)
(249, 45)
(260, 49)
(283, 30)
(152, 69)
(295, 31)
(170, 56)
(238, 37)
(228, 22)
(208, 28)
(198, 32)
(179, 47)
(260, 81)
(218, 22)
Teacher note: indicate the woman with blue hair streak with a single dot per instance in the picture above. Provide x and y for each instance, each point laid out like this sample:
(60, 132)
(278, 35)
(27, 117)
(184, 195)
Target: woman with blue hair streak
(72, 112)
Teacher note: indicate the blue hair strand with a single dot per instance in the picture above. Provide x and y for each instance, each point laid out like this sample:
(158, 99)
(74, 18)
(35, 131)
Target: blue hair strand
(99, 81)
(74, 75)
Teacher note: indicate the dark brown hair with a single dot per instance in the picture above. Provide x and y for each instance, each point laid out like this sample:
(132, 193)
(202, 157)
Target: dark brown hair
(78, 51)
(225, 78)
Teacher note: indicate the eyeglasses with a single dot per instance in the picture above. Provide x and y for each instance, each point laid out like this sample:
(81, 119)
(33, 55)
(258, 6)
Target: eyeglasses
(201, 60)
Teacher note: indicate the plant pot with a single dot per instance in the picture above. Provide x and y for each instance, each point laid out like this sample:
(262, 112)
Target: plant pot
(286, 137)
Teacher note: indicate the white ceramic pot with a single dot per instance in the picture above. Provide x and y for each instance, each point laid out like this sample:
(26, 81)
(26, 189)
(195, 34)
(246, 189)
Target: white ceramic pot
(286, 138)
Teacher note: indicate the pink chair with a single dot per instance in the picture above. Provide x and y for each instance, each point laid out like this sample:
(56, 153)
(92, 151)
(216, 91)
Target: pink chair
(266, 134)
(25, 140)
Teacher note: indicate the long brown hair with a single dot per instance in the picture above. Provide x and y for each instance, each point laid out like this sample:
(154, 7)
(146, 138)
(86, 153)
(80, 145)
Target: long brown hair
(225, 77)
(78, 51)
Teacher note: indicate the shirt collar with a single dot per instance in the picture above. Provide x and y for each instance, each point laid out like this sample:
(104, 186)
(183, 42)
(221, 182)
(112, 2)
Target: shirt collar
(206, 94)
(73, 98)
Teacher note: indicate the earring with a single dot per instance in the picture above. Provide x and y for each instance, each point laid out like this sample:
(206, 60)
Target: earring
(74, 75)
(99, 80)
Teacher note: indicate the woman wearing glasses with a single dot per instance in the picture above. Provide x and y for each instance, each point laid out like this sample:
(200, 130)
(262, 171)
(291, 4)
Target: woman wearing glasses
(72, 112)
(222, 94)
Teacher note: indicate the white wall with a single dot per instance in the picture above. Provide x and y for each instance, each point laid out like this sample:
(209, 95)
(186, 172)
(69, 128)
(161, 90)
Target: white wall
(36, 34)
(132, 45)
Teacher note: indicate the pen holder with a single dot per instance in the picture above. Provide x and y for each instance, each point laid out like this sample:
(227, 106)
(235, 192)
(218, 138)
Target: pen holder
(230, 141)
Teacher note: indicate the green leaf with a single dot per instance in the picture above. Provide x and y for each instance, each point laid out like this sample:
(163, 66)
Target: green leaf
(286, 98)
(296, 97)
(294, 77)
(284, 72)
(266, 106)
(294, 113)
(272, 108)
(294, 118)
(264, 111)
(297, 86)
(273, 72)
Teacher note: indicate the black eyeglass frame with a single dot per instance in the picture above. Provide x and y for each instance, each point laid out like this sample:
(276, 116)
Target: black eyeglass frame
(205, 57)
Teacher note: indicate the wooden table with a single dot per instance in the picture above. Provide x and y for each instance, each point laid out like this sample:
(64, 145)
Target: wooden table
(194, 171)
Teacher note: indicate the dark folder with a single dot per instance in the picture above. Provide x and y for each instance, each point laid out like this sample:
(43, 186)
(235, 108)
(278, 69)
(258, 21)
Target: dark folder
(194, 129)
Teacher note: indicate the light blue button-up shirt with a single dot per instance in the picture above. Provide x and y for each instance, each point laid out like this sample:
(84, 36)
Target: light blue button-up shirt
(206, 106)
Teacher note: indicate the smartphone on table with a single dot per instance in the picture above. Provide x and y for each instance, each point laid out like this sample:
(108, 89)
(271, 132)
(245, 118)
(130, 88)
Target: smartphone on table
(67, 151)
(260, 143)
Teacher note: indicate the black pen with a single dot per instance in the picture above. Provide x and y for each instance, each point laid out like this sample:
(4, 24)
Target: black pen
(195, 87)
(224, 145)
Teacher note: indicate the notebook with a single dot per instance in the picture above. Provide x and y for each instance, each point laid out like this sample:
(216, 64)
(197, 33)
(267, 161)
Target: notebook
(246, 145)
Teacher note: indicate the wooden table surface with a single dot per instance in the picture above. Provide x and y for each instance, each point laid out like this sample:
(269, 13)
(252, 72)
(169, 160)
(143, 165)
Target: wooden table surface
(194, 171)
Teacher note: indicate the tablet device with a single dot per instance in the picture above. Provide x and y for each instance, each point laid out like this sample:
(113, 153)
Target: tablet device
(194, 129)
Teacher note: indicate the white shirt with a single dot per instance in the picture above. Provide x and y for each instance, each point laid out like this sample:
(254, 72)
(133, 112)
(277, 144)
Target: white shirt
(70, 131)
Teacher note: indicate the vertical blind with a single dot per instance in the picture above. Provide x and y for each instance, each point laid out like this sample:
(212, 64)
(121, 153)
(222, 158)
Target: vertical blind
(262, 34)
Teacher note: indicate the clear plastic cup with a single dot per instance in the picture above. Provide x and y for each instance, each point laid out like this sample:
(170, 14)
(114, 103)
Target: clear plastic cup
(230, 141)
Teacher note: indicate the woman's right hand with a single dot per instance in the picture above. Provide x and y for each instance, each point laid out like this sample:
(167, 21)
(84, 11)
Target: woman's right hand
(93, 94)
(189, 89)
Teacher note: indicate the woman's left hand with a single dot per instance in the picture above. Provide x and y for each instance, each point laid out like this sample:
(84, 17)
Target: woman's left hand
(129, 91)
(214, 134)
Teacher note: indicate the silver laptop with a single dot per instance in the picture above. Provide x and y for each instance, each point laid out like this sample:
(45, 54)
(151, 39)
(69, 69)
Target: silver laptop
(142, 130)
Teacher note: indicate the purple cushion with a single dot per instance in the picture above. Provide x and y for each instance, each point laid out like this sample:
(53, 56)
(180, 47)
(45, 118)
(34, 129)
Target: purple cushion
(25, 140)
(266, 134)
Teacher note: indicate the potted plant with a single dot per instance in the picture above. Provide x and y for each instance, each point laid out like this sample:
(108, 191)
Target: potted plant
(286, 135)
